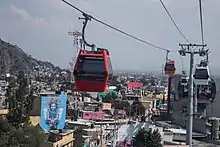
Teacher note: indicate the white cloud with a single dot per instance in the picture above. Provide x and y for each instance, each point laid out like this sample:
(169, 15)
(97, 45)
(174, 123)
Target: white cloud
(21, 12)
(24, 15)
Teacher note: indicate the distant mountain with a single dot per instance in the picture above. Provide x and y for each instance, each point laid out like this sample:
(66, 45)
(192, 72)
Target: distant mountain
(13, 58)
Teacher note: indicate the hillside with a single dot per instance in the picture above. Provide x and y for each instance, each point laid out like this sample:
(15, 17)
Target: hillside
(13, 58)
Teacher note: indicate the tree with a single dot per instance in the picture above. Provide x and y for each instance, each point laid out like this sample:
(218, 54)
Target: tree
(121, 105)
(15, 129)
(156, 139)
(5, 128)
(20, 103)
(119, 87)
(147, 138)
(78, 137)
(110, 97)
(107, 99)
(27, 135)
(140, 138)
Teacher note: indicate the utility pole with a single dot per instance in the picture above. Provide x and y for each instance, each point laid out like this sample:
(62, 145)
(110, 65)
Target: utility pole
(191, 49)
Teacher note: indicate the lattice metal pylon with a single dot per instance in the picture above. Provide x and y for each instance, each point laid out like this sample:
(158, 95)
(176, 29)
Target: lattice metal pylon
(76, 45)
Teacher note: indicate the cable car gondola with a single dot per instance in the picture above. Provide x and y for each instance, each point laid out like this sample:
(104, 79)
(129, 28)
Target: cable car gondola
(93, 70)
(170, 68)
(201, 76)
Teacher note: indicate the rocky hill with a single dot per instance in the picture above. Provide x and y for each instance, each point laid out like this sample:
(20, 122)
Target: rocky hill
(13, 58)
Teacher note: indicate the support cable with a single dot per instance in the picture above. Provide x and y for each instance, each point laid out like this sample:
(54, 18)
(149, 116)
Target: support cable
(174, 22)
(201, 22)
(116, 29)
(206, 61)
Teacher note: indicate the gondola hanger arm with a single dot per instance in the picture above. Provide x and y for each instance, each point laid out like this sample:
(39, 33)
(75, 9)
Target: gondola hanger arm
(205, 62)
(167, 53)
(207, 55)
(86, 18)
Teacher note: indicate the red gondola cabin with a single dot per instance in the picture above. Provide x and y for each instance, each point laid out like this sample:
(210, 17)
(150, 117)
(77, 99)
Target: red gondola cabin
(170, 68)
(93, 70)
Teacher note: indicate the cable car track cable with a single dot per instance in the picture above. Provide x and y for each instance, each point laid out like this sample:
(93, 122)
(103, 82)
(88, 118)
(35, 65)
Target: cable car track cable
(116, 29)
(168, 13)
(201, 21)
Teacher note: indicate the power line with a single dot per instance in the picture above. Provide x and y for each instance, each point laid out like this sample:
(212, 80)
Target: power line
(201, 21)
(173, 21)
(116, 29)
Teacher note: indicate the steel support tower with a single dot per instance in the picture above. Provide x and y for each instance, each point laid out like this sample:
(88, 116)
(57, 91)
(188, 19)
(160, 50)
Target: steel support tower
(192, 50)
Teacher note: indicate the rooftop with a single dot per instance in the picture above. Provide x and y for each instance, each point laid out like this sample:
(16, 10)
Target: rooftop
(63, 133)
(134, 84)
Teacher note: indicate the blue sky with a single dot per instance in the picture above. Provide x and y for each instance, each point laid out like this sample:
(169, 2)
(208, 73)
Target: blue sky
(41, 28)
